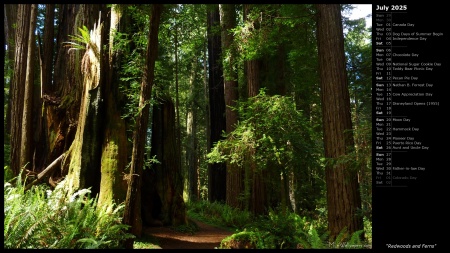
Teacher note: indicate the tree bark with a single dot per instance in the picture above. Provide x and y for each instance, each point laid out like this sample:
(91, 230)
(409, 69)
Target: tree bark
(27, 144)
(343, 196)
(18, 84)
(85, 151)
(168, 177)
(113, 187)
(63, 100)
(258, 187)
(132, 213)
(216, 171)
(191, 131)
(235, 174)
(10, 17)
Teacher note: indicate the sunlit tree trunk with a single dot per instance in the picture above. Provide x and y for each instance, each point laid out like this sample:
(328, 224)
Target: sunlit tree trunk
(191, 131)
(85, 151)
(64, 95)
(343, 196)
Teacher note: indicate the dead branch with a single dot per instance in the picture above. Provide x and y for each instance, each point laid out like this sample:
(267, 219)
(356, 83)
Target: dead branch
(45, 172)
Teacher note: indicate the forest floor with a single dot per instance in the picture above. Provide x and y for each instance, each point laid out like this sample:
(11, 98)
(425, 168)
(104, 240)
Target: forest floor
(207, 237)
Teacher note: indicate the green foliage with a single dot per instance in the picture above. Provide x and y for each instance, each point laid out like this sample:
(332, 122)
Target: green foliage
(218, 214)
(286, 230)
(8, 174)
(41, 218)
(271, 125)
(278, 230)
(146, 242)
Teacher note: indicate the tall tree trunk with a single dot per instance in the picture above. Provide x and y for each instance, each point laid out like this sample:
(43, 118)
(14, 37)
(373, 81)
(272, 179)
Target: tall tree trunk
(132, 213)
(46, 69)
(113, 187)
(18, 84)
(258, 186)
(235, 174)
(191, 130)
(216, 171)
(27, 144)
(343, 196)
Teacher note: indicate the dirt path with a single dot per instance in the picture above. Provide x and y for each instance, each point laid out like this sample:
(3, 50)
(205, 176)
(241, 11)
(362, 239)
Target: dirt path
(207, 237)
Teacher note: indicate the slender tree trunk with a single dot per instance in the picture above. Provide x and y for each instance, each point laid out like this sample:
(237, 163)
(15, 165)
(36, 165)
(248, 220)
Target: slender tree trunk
(10, 17)
(343, 196)
(191, 130)
(132, 213)
(27, 144)
(216, 171)
(18, 84)
(45, 51)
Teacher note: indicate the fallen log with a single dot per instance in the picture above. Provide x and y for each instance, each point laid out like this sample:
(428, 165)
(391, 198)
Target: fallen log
(45, 172)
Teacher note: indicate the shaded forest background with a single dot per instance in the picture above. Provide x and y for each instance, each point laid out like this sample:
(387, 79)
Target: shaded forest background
(261, 107)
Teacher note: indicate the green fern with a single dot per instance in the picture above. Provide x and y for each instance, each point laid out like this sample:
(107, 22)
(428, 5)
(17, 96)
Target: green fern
(34, 219)
(80, 41)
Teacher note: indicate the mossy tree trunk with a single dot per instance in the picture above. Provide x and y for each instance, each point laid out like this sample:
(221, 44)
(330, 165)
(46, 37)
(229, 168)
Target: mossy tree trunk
(113, 186)
(63, 96)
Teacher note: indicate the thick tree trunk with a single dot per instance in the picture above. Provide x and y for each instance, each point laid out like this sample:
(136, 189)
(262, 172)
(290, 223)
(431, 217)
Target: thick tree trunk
(63, 101)
(168, 177)
(216, 171)
(258, 200)
(132, 213)
(235, 174)
(343, 197)
(18, 84)
(113, 187)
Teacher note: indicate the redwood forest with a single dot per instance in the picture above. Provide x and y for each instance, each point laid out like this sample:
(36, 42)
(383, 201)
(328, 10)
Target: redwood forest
(139, 126)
